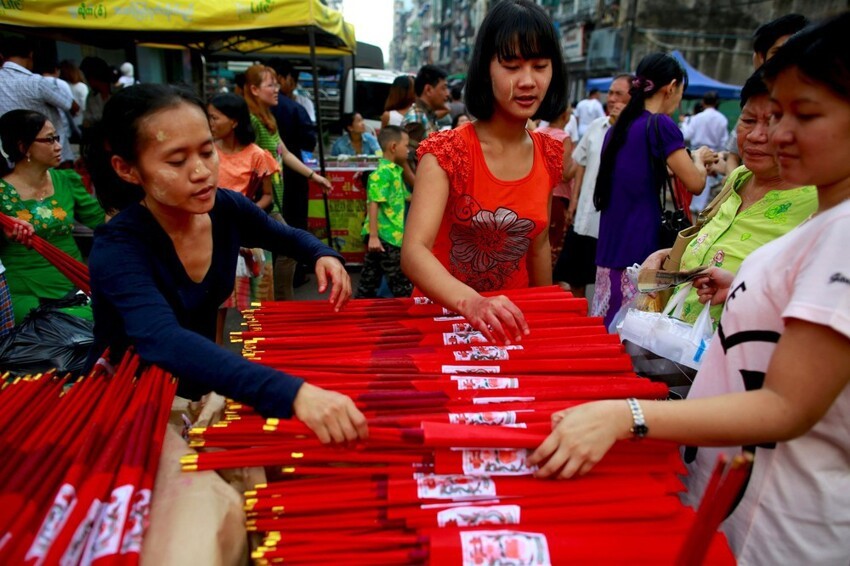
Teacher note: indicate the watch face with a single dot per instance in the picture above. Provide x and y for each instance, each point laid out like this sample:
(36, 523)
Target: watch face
(640, 430)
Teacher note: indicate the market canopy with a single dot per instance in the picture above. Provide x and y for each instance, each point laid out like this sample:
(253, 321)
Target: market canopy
(698, 83)
(208, 25)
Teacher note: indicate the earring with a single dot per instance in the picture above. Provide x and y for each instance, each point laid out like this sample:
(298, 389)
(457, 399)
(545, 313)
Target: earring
(29, 158)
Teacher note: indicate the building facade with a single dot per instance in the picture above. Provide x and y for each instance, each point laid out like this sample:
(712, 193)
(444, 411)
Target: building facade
(601, 37)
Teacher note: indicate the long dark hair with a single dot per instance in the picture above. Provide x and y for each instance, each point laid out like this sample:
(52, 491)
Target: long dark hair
(820, 52)
(118, 134)
(235, 108)
(514, 28)
(401, 93)
(18, 129)
(654, 72)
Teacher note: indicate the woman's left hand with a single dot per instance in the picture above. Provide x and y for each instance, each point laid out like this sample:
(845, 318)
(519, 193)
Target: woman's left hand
(330, 270)
(580, 437)
(326, 185)
(22, 232)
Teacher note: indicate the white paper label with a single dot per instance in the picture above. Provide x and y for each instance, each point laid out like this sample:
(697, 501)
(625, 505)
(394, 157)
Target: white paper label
(505, 548)
(456, 488)
(469, 383)
(495, 418)
(453, 338)
(497, 462)
(60, 510)
(491, 400)
(472, 516)
(471, 369)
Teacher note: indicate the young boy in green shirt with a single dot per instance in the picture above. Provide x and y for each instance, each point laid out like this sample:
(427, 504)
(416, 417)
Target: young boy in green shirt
(383, 227)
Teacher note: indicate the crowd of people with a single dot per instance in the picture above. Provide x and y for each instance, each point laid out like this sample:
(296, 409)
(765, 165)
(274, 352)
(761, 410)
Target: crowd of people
(201, 205)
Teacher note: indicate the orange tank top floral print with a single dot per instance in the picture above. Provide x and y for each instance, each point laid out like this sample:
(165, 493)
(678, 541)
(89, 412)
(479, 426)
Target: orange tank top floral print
(489, 224)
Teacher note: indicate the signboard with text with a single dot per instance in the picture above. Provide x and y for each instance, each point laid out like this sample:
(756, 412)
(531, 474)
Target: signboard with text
(347, 208)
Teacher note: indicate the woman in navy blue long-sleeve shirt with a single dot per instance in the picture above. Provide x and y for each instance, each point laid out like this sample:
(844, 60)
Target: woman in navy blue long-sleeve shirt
(161, 267)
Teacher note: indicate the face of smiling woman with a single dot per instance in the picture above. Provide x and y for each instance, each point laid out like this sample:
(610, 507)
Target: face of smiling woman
(177, 164)
(810, 129)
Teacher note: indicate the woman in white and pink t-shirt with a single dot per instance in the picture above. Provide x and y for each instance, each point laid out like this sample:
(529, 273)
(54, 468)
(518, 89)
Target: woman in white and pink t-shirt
(775, 379)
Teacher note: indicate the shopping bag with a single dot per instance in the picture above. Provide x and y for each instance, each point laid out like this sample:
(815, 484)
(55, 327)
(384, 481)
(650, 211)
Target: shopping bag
(47, 338)
(665, 335)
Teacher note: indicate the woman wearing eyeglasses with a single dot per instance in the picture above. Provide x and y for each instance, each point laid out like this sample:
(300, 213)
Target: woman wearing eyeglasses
(49, 199)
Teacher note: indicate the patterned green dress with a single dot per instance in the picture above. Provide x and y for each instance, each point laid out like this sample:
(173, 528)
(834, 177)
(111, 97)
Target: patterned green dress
(30, 276)
(728, 238)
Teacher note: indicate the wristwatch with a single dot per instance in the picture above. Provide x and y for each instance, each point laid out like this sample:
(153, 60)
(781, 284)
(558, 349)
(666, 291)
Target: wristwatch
(639, 428)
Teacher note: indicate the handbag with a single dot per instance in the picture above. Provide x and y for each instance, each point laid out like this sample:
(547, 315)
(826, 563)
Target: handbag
(673, 260)
(672, 221)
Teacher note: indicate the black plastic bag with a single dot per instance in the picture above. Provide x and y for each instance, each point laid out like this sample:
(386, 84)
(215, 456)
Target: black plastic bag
(47, 338)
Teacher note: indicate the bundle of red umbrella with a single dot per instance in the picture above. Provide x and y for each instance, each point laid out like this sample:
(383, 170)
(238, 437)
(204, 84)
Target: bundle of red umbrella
(79, 464)
(75, 271)
(443, 477)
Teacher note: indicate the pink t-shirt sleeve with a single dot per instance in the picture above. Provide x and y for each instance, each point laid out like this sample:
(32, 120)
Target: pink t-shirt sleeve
(821, 288)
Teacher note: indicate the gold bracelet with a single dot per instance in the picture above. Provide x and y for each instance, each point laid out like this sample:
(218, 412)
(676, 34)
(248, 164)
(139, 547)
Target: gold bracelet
(312, 174)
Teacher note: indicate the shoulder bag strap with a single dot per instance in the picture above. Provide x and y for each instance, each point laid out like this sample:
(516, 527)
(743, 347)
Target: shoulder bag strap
(711, 210)
(660, 162)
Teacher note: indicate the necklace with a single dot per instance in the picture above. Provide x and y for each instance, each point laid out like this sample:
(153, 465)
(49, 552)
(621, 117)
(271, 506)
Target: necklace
(35, 194)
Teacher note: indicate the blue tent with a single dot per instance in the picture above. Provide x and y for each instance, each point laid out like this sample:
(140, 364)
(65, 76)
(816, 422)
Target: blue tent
(698, 83)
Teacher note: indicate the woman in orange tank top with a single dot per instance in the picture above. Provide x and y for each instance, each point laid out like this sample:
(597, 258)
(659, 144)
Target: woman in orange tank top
(480, 211)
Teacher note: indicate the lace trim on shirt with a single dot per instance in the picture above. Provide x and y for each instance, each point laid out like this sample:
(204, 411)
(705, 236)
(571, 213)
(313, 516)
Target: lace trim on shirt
(452, 155)
(553, 155)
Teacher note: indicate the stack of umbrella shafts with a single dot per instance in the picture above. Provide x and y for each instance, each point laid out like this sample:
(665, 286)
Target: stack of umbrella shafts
(75, 271)
(79, 464)
(443, 476)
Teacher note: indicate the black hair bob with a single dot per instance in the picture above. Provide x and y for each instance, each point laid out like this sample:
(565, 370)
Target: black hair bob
(118, 134)
(820, 52)
(18, 130)
(515, 28)
(235, 108)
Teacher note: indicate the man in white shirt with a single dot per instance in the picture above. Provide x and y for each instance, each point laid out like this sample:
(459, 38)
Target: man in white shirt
(20, 88)
(709, 127)
(588, 110)
(576, 266)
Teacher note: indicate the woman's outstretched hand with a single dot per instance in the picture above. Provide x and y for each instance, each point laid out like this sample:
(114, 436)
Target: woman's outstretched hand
(326, 185)
(713, 285)
(331, 415)
(330, 271)
(22, 232)
(497, 318)
(580, 437)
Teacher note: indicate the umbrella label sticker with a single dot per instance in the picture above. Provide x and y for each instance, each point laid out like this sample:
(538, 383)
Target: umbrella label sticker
(457, 488)
(463, 327)
(497, 462)
(452, 338)
(471, 369)
(468, 383)
(106, 538)
(482, 354)
(506, 548)
(63, 505)
(494, 418)
(474, 516)
(136, 521)
(77, 546)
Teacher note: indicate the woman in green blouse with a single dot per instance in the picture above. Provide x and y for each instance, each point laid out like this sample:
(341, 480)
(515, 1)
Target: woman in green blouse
(261, 93)
(760, 208)
(49, 199)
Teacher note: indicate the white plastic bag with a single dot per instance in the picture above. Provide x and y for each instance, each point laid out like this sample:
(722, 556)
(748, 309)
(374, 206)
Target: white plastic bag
(665, 335)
